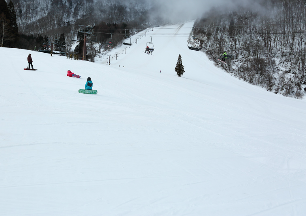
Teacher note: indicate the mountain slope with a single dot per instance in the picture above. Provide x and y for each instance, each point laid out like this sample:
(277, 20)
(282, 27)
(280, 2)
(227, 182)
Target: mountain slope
(149, 143)
(63, 16)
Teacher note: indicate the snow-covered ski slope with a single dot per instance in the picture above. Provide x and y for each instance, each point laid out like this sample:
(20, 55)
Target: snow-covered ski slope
(148, 143)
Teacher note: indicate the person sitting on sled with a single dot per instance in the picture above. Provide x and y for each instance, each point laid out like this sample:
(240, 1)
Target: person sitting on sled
(89, 84)
(30, 61)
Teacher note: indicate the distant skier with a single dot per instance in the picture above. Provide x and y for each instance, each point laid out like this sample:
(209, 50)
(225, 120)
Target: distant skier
(89, 84)
(30, 61)
(224, 56)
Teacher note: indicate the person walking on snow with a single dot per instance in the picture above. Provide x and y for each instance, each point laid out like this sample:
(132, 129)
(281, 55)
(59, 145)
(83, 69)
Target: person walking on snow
(89, 84)
(30, 61)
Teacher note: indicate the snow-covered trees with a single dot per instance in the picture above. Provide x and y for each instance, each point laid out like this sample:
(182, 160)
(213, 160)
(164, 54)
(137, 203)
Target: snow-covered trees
(8, 24)
(45, 16)
(268, 48)
(179, 68)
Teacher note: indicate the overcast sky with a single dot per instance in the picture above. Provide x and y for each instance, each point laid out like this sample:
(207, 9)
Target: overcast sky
(182, 10)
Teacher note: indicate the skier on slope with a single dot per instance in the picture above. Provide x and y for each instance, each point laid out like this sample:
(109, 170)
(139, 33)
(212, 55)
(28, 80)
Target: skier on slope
(224, 56)
(30, 61)
(89, 84)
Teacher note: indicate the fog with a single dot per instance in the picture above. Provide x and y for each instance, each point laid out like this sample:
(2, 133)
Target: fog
(181, 10)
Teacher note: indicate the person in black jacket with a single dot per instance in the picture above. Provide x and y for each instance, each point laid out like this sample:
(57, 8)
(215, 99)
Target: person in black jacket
(30, 61)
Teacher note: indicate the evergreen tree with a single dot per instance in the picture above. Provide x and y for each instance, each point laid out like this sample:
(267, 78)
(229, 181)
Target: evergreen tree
(3, 7)
(61, 42)
(179, 66)
(13, 27)
(8, 28)
(3, 21)
(46, 43)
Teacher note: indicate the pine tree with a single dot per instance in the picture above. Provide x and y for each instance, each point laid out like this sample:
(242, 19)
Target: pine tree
(3, 20)
(179, 66)
(13, 27)
(61, 42)
(9, 27)
(3, 7)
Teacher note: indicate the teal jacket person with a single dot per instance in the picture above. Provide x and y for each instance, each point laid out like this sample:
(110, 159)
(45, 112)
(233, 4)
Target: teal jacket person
(89, 84)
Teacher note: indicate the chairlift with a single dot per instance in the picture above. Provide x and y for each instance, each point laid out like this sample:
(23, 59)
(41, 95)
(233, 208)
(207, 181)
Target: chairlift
(127, 42)
(149, 48)
(109, 45)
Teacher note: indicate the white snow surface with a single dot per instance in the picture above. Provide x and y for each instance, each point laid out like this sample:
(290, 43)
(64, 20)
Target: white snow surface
(150, 142)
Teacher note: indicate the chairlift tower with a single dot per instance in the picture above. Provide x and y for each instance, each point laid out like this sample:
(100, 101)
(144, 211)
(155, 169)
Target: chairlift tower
(89, 32)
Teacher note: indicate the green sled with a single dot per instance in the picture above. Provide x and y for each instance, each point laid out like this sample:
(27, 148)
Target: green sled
(84, 91)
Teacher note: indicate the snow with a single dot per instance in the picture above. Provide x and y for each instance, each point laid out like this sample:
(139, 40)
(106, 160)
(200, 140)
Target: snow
(150, 142)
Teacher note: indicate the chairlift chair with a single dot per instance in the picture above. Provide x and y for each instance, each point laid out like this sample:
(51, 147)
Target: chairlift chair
(149, 47)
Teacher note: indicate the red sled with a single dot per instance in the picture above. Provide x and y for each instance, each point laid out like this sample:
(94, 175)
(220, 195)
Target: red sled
(30, 69)
(70, 74)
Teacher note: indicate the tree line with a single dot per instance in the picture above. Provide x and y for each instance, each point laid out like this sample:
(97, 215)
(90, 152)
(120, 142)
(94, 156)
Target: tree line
(9, 28)
(44, 36)
(9, 34)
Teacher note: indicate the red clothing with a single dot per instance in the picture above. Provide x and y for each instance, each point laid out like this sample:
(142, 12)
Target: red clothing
(69, 73)
(29, 59)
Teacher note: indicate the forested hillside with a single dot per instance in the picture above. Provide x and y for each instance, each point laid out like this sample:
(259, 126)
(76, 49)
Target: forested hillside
(8, 23)
(53, 25)
(48, 16)
(267, 45)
